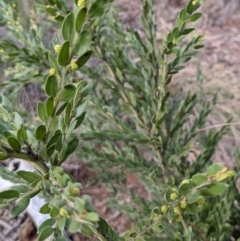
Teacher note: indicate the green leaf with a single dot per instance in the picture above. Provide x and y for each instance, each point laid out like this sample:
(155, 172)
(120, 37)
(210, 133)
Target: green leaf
(14, 143)
(4, 126)
(29, 176)
(192, 208)
(17, 120)
(184, 188)
(8, 134)
(82, 43)
(45, 209)
(47, 223)
(74, 227)
(183, 14)
(217, 188)
(4, 113)
(72, 146)
(67, 93)
(87, 90)
(51, 85)
(32, 139)
(68, 112)
(54, 124)
(20, 188)
(63, 55)
(83, 59)
(214, 169)
(54, 139)
(5, 103)
(192, 6)
(61, 109)
(41, 132)
(53, 62)
(9, 194)
(61, 223)
(22, 135)
(92, 217)
(68, 27)
(81, 15)
(45, 233)
(50, 106)
(199, 179)
(3, 156)
(187, 31)
(98, 8)
(20, 206)
(60, 238)
(79, 120)
(54, 212)
(193, 197)
(42, 112)
(195, 17)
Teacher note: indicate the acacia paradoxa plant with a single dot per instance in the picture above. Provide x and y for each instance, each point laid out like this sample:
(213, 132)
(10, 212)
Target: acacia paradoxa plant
(50, 143)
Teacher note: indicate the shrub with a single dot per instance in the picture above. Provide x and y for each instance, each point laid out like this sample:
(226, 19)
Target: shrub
(123, 104)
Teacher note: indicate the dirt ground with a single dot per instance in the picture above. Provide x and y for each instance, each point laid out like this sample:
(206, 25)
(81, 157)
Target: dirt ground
(219, 62)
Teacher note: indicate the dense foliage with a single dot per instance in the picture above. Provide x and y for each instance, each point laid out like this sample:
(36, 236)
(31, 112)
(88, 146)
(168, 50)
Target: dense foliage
(117, 113)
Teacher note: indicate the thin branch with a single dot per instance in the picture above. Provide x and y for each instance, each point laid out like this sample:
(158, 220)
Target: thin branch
(218, 125)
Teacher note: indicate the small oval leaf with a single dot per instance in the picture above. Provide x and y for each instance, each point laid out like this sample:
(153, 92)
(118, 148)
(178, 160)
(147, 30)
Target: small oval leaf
(68, 27)
(29, 176)
(40, 132)
(51, 85)
(72, 146)
(22, 135)
(42, 112)
(83, 59)
(80, 19)
(67, 93)
(14, 143)
(9, 194)
(50, 106)
(20, 206)
(45, 233)
(63, 55)
(82, 43)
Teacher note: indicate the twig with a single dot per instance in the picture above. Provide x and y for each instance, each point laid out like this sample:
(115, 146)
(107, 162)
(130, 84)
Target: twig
(218, 125)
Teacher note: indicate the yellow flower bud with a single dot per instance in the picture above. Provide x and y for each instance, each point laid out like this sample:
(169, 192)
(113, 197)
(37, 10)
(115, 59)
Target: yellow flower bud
(173, 196)
(81, 3)
(75, 192)
(178, 218)
(184, 182)
(176, 209)
(164, 209)
(57, 48)
(201, 200)
(183, 204)
(52, 71)
(63, 212)
(194, 2)
(73, 65)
